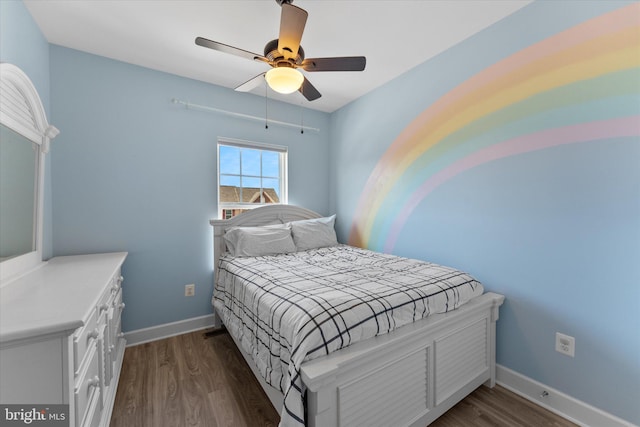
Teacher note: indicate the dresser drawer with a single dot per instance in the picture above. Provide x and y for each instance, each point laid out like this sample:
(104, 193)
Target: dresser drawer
(116, 282)
(83, 340)
(116, 315)
(117, 303)
(87, 390)
(105, 304)
(93, 414)
(112, 292)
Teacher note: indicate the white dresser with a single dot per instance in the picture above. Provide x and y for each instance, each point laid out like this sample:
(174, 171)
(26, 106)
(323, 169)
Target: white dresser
(60, 336)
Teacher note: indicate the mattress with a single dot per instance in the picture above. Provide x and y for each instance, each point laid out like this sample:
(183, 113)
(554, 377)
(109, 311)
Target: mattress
(289, 308)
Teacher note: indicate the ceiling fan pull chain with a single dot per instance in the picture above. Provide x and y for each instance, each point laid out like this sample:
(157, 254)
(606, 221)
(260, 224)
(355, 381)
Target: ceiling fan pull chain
(301, 118)
(266, 107)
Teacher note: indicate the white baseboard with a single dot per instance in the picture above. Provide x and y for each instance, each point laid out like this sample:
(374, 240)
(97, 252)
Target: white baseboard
(557, 402)
(154, 333)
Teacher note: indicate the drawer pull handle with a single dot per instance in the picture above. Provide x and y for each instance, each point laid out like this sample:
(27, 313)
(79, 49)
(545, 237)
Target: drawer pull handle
(93, 382)
(104, 307)
(121, 306)
(93, 334)
(115, 288)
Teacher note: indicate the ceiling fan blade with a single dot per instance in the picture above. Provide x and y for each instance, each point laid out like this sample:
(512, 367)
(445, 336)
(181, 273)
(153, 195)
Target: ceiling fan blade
(251, 84)
(292, 22)
(221, 47)
(342, 63)
(309, 91)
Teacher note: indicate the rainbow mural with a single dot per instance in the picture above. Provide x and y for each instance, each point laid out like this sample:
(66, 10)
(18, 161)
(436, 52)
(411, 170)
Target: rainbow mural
(577, 86)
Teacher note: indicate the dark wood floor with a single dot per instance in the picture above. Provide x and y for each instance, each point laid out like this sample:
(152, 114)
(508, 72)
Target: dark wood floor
(192, 380)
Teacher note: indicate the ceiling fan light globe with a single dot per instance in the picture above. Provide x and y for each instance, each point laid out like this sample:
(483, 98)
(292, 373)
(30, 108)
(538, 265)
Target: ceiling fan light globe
(284, 80)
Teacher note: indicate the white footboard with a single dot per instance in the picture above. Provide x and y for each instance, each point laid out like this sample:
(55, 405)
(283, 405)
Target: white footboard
(409, 377)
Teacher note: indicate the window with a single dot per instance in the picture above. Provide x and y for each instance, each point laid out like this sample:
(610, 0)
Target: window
(250, 174)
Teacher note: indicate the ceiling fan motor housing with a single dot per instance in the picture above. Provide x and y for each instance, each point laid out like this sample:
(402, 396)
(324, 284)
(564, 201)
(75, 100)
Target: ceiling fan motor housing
(272, 53)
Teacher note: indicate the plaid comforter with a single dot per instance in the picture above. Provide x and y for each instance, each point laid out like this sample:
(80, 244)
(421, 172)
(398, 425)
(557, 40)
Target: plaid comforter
(289, 308)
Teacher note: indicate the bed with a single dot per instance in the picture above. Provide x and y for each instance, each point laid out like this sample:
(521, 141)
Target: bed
(415, 354)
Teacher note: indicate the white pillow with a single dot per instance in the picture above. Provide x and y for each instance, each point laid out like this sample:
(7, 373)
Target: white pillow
(258, 241)
(314, 233)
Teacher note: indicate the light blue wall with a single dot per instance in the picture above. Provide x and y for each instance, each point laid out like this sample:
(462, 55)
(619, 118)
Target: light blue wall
(22, 44)
(134, 172)
(557, 231)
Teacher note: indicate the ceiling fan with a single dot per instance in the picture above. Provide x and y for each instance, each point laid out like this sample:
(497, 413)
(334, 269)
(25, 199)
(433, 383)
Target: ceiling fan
(285, 56)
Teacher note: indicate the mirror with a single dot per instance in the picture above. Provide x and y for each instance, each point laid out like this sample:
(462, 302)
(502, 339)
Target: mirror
(18, 161)
(24, 140)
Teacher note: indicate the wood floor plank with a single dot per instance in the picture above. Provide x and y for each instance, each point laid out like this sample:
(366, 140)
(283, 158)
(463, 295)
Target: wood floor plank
(192, 380)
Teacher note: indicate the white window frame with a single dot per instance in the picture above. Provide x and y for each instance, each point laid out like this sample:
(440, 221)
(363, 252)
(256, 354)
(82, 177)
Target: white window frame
(283, 152)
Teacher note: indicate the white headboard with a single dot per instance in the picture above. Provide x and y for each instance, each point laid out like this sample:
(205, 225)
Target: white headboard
(265, 215)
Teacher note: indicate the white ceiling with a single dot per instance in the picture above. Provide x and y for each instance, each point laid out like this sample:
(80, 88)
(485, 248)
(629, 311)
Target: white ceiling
(394, 35)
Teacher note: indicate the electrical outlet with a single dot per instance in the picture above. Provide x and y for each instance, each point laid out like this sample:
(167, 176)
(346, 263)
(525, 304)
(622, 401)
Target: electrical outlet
(565, 344)
(189, 290)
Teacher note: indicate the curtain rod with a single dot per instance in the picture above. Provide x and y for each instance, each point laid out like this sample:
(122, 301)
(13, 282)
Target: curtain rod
(188, 105)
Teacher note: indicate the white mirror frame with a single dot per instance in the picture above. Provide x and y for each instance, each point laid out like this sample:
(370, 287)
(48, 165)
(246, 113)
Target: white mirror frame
(21, 110)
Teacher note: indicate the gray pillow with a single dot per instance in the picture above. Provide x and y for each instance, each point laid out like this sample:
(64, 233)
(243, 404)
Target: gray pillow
(314, 233)
(258, 241)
